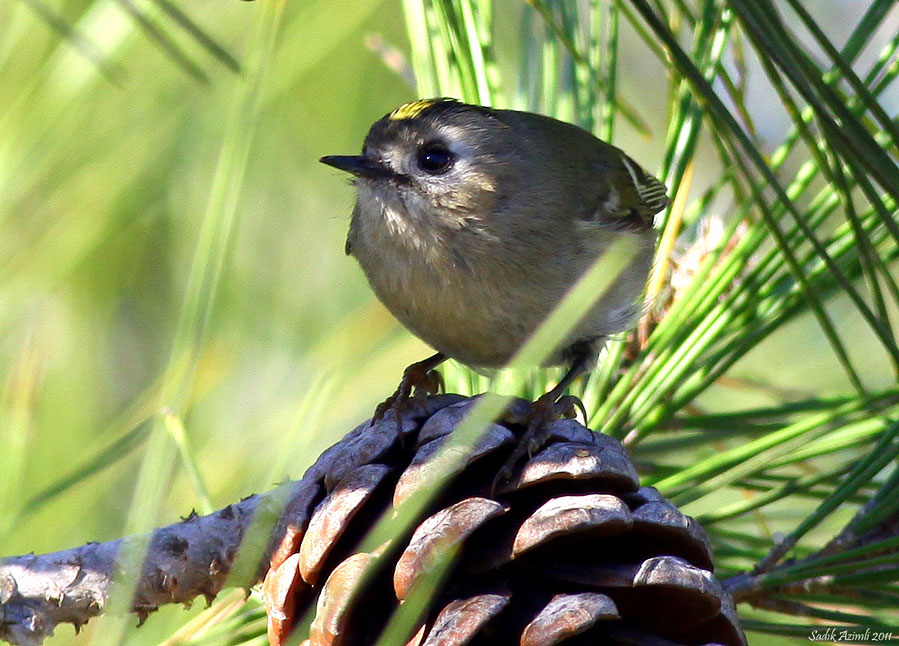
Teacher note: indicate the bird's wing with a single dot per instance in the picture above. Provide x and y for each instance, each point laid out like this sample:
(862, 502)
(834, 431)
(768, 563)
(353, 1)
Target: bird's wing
(633, 196)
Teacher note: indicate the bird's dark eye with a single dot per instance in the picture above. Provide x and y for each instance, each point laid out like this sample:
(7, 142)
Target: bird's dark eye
(435, 159)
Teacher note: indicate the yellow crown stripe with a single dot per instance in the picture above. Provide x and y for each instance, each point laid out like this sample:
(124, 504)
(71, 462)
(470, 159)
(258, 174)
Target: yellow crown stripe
(411, 110)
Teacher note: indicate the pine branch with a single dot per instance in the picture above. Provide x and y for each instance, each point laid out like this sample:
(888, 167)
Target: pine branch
(184, 560)
(866, 554)
(195, 557)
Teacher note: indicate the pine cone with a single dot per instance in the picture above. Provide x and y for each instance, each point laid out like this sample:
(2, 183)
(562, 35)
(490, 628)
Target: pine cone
(571, 551)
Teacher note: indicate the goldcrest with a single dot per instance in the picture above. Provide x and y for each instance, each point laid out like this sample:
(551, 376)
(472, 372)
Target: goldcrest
(471, 224)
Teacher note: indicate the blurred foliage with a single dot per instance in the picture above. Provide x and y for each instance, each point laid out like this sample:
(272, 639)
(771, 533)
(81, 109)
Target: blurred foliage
(179, 326)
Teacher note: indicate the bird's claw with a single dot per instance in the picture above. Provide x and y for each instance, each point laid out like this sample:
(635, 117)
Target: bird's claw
(568, 406)
(546, 410)
(419, 380)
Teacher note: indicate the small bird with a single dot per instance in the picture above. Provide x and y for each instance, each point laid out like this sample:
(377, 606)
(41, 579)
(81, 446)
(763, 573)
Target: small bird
(472, 222)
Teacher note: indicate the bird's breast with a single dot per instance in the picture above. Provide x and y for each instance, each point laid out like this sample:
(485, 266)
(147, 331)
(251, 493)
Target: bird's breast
(440, 293)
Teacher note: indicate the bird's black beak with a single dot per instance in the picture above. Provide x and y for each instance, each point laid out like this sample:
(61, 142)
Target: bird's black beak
(358, 165)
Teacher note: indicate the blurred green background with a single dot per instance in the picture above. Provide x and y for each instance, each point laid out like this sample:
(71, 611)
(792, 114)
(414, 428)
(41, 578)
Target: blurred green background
(104, 187)
(104, 190)
(106, 173)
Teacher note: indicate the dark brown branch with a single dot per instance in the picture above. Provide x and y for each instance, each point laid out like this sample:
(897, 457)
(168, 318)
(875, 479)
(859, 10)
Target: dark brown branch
(195, 557)
(748, 586)
(185, 560)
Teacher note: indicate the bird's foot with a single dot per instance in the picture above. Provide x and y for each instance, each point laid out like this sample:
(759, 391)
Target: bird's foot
(419, 380)
(546, 410)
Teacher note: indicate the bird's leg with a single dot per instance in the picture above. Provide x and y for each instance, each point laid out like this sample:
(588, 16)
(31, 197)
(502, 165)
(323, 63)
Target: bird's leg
(547, 409)
(420, 377)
